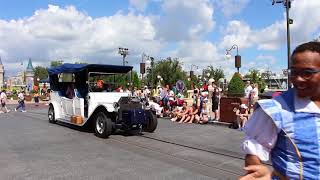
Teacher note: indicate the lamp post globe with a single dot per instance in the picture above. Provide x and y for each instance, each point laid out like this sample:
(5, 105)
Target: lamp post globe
(228, 56)
(237, 58)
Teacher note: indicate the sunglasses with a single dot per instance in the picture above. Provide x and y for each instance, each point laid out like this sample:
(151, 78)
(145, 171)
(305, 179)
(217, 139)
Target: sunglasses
(304, 74)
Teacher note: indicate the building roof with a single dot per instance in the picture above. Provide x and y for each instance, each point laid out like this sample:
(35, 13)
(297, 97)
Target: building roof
(29, 67)
(74, 68)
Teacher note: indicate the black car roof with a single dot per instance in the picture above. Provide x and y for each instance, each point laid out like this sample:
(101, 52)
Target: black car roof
(74, 68)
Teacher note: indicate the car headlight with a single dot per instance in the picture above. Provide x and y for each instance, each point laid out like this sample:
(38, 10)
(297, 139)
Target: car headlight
(116, 105)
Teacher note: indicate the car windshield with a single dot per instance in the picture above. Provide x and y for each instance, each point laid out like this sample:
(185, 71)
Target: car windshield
(108, 82)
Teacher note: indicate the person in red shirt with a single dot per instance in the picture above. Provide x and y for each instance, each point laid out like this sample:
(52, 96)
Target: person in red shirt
(119, 89)
(205, 86)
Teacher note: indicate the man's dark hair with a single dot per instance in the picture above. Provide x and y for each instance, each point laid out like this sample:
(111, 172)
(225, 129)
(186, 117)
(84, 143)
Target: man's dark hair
(312, 46)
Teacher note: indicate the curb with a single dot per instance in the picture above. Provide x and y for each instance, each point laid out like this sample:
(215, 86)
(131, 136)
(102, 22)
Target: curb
(16, 103)
(219, 123)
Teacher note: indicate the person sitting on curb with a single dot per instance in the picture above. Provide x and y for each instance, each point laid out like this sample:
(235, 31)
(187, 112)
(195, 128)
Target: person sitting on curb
(203, 117)
(180, 113)
(242, 115)
(189, 117)
(157, 107)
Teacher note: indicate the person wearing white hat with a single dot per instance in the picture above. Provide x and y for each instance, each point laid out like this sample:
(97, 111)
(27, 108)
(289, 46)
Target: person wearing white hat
(211, 89)
(242, 115)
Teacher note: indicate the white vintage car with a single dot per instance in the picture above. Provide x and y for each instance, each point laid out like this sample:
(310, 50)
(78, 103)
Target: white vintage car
(90, 94)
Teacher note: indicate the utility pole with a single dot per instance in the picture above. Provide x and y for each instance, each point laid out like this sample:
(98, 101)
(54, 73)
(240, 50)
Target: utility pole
(287, 5)
(151, 71)
(123, 52)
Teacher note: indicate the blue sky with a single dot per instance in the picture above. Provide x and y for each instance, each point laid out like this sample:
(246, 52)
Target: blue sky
(196, 31)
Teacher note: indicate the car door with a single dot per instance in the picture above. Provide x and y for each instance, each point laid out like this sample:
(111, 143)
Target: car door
(68, 107)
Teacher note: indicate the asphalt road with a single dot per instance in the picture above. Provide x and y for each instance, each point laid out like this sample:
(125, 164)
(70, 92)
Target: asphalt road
(32, 148)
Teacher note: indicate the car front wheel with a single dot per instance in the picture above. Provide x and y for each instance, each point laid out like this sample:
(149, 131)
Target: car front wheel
(103, 125)
(152, 123)
(51, 115)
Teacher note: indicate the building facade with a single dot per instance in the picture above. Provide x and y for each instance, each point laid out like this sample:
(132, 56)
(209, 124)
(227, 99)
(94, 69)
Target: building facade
(23, 80)
(1, 75)
(29, 74)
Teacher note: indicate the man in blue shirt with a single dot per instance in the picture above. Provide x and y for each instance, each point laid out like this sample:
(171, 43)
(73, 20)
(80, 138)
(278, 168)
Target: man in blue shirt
(286, 128)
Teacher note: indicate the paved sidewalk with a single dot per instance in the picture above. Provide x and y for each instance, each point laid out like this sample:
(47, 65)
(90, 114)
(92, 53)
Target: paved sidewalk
(26, 102)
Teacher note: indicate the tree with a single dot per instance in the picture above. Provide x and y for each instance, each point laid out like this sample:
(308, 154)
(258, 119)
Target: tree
(80, 62)
(56, 63)
(170, 71)
(236, 85)
(254, 76)
(119, 79)
(41, 73)
(135, 80)
(215, 73)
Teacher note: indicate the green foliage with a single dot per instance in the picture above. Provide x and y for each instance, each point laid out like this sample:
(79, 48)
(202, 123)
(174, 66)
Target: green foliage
(41, 73)
(118, 79)
(169, 69)
(56, 63)
(254, 76)
(135, 80)
(236, 86)
(215, 73)
(80, 62)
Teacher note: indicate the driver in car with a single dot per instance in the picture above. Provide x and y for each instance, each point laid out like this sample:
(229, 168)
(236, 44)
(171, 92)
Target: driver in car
(99, 85)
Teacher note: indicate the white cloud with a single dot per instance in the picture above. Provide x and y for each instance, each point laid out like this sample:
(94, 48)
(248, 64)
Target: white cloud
(196, 52)
(231, 7)
(267, 59)
(262, 63)
(305, 27)
(238, 33)
(185, 20)
(306, 21)
(202, 54)
(68, 34)
(139, 4)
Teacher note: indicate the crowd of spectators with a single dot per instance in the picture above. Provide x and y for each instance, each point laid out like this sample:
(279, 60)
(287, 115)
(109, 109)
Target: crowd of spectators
(169, 102)
(202, 107)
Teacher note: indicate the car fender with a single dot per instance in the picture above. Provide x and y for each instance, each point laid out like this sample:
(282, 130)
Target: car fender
(102, 107)
(57, 109)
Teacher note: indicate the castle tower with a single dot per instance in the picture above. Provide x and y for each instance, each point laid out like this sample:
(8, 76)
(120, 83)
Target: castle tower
(1, 75)
(29, 76)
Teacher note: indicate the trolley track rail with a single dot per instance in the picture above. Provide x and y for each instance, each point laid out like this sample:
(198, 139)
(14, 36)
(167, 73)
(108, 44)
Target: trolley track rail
(212, 151)
(124, 140)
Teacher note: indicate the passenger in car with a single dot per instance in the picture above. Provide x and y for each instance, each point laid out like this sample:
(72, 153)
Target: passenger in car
(107, 88)
(99, 85)
(70, 91)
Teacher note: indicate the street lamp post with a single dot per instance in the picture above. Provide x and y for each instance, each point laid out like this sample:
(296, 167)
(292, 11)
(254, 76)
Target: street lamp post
(192, 73)
(123, 52)
(208, 75)
(143, 66)
(160, 79)
(287, 5)
(237, 58)
(150, 61)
